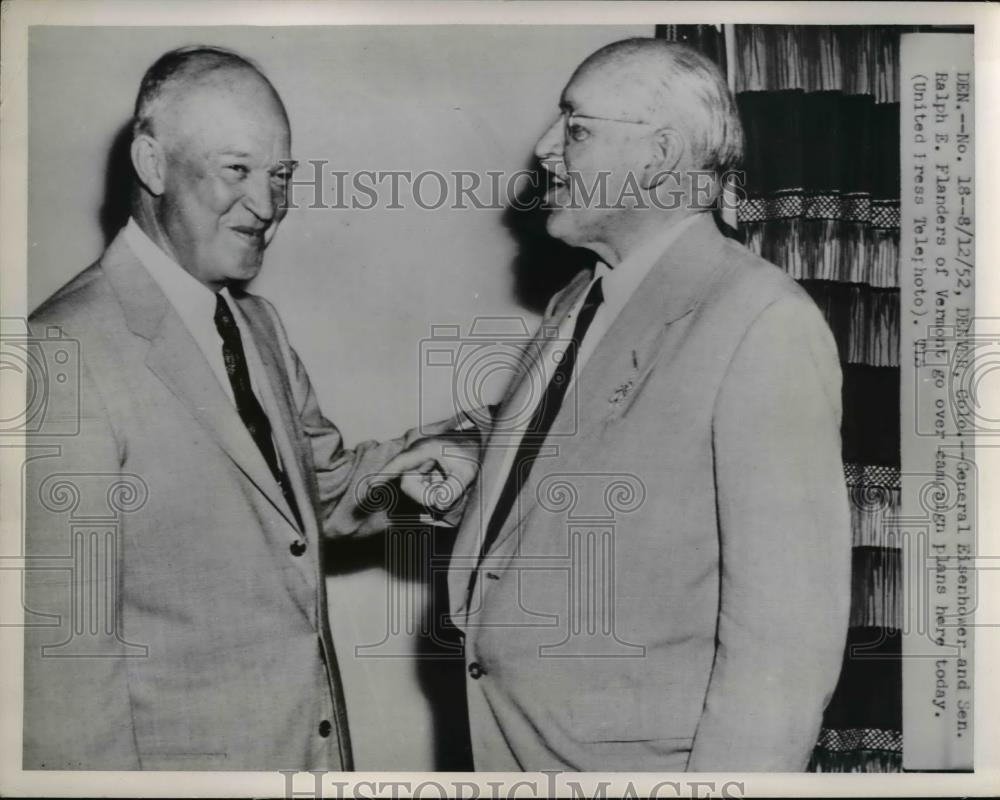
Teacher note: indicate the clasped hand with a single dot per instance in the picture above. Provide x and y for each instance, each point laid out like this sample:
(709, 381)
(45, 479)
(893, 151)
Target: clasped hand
(436, 471)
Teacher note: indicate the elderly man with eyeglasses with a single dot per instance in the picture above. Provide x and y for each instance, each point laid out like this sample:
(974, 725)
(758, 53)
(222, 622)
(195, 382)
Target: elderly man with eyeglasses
(653, 571)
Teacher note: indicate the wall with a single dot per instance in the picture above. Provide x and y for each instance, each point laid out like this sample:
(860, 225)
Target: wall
(358, 290)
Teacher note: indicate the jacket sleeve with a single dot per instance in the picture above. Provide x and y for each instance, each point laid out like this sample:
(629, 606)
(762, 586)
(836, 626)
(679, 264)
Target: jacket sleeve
(785, 546)
(343, 476)
(77, 709)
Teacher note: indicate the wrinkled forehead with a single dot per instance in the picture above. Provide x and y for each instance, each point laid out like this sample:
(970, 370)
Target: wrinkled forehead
(613, 87)
(237, 111)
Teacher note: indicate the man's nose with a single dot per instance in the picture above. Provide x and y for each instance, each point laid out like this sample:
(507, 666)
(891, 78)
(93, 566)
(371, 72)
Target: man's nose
(259, 197)
(551, 143)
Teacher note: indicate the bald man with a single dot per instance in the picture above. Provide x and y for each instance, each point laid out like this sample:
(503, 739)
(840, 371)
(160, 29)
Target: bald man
(176, 608)
(653, 572)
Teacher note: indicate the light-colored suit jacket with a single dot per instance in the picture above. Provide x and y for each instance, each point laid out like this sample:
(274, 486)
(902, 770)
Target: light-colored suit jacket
(173, 623)
(671, 590)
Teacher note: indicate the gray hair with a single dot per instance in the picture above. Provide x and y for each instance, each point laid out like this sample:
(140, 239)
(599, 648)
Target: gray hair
(180, 67)
(683, 78)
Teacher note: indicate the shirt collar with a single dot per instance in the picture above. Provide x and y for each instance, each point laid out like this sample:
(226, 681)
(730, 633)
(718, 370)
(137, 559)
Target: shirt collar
(194, 301)
(619, 283)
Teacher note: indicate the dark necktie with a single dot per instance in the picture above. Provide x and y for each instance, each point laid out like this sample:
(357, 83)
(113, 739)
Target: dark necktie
(247, 405)
(538, 426)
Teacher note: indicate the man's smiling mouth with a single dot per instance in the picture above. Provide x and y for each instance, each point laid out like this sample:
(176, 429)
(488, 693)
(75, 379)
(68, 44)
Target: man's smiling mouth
(249, 233)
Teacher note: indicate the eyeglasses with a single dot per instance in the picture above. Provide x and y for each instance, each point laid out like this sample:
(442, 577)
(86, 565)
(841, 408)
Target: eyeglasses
(573, 131)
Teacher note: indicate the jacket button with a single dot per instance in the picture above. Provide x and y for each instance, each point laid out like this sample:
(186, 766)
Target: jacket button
(297, 548)
(476, 670)
(325, 728)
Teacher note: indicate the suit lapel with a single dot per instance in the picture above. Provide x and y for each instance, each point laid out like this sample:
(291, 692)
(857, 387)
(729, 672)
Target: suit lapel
(175, 358)
(513, 404)
(632, 346)
(465, 553)
(628, 352)
(274, 385)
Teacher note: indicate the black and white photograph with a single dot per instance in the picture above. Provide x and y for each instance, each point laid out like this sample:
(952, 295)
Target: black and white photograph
(469, 393)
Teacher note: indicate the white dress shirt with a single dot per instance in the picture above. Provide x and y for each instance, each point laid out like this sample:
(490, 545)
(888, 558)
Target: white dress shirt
(618, 284)
(194, 302)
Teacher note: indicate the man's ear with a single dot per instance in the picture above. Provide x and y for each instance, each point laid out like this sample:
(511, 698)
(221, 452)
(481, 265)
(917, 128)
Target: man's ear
(149, 162)
(668, 149)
